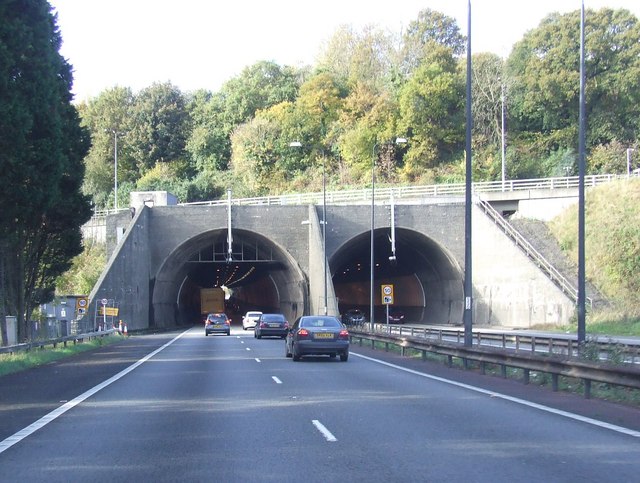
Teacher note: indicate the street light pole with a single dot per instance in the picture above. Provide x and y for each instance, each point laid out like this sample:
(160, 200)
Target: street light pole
(373, 209)
(324, 231)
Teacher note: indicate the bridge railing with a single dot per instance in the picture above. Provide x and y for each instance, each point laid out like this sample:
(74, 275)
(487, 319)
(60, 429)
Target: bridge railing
(383, 194)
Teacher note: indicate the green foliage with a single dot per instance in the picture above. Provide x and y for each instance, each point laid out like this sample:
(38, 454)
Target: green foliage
(545, 66)
(84, 272)
(42, 145)
(612, 241)
(432, 111)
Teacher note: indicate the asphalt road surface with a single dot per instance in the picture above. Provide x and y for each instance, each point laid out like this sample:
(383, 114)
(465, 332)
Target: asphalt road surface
(185, 407)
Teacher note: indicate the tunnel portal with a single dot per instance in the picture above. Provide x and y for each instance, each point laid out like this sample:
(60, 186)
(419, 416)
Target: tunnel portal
(427, 281)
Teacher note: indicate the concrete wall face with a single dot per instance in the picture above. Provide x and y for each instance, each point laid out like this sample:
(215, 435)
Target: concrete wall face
(509, 289)
(148, 263)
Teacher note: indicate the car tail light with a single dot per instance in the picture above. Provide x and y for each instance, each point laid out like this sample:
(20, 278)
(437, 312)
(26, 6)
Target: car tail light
(344, 334)
(262, 325)
(303, 333)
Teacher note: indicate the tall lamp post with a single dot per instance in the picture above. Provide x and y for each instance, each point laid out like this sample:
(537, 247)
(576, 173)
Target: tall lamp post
(373, 212)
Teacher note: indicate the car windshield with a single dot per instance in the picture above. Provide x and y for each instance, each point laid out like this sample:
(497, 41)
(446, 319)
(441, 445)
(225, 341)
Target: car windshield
(319, 322)
(254, 314)
(216, 318)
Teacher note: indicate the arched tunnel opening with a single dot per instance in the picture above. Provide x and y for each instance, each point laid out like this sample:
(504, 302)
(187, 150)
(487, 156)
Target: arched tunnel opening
(427, 281)
(256, 275)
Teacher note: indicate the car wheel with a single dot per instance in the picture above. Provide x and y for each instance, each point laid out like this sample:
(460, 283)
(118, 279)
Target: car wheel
(344, 357)
(259, 336)
(229, 333)
(295, 356)
(206, 334)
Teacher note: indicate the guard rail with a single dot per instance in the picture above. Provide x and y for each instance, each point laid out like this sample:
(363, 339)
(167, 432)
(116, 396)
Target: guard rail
(588, 372)
(551, 344)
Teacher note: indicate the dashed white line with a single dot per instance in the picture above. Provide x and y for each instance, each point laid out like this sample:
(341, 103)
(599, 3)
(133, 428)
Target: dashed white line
(258, 360)
(276, 380)
(324, 431)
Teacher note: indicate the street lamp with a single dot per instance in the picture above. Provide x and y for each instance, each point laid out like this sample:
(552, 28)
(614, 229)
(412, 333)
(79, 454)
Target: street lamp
(298, 144)
(629, 150)
(373, 210)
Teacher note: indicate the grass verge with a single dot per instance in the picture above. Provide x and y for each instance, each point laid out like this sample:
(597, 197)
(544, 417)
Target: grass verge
(20, 361)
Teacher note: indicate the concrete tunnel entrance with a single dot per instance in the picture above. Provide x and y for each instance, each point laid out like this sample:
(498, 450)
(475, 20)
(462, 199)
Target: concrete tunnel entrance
(428, 282)
(259, 276)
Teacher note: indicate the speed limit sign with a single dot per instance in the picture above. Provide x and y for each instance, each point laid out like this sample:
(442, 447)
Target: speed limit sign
(387, 294)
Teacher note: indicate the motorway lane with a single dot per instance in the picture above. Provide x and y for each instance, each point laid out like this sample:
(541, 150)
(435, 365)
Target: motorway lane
(209, 408)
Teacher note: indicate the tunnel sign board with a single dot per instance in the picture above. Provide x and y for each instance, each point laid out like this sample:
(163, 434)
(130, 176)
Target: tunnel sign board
(387, 294)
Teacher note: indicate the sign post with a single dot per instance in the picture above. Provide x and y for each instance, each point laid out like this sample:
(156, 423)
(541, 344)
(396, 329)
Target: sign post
(387, 298)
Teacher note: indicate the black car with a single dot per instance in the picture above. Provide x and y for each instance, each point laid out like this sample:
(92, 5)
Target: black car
(217, 324)
(313, 335)
(274, 325)
(396, 316)
(353, 318)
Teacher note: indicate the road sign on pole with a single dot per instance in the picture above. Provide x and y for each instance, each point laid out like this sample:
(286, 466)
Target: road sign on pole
(387, 294)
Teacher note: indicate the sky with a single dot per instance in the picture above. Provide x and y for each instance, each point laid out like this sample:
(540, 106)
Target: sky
(201, 44)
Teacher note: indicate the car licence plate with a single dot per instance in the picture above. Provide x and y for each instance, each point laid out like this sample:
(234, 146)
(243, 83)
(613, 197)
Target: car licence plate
(218, 326)
(274, 325)
(323, 335)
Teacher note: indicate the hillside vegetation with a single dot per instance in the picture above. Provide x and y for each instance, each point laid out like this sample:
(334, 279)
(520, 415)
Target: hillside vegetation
(612, 248)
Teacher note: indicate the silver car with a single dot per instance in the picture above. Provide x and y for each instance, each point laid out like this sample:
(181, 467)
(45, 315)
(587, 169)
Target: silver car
(313, 335)
(250, 320)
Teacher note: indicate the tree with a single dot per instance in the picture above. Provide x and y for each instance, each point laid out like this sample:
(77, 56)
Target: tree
(545, 67)
(42, 145)
(161, 126)
(359, 58)
(430, 29)
(432, 112)
(216, 116)
(109, 114)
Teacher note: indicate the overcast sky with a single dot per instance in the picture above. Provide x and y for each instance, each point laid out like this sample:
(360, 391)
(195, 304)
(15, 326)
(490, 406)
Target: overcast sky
(202, 43)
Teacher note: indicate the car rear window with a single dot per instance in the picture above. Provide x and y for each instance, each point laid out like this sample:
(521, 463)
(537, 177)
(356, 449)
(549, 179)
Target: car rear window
(319, 322)
(273, 318)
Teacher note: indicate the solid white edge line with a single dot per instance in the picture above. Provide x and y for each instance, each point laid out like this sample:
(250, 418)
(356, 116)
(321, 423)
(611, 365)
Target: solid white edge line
(559, 412)
(276, 380)
(46, 419)
(325, 432)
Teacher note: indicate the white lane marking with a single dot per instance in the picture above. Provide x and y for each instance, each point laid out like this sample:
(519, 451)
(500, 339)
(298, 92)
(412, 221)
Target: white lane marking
(276, 380)
(559, 412)
(46, 419)
(325, 432)
(248, 348)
